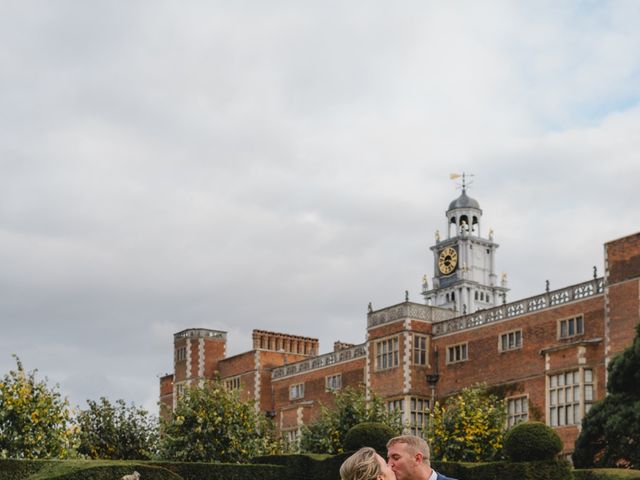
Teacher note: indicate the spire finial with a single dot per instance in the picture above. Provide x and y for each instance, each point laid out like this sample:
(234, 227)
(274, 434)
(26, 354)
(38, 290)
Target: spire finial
(464, 176)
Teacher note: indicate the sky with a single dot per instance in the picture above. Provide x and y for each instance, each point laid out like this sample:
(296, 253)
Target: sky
(279, 165)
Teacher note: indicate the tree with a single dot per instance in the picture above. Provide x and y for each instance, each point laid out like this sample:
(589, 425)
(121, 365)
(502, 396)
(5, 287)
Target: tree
(117, 432)
(211, 423)
(327, 433)
(35, 420)
(469, 427)
(610, 435)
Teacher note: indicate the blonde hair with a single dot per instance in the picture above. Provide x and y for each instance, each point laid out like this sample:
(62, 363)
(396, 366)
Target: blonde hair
(362, 465)
(417, 444)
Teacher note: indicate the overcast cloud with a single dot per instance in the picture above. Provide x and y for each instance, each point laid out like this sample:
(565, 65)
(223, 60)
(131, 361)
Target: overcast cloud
(278, 165)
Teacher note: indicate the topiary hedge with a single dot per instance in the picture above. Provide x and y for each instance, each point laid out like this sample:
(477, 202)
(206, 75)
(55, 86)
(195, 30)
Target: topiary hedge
(224, 471)
(19, 469)
(606, 474)
(368, 434)
(310, 466)
(112, 470)
(543, 470)
(531, 441)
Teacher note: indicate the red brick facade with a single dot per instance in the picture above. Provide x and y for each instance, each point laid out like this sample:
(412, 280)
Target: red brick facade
(546, 355)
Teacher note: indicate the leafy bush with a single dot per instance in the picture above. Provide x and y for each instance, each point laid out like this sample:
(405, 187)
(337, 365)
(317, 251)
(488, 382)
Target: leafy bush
(532, 441)
(327, 432)
(35, 420)
(469, 427)
(211, 423)
(116, 431)
(368, 434)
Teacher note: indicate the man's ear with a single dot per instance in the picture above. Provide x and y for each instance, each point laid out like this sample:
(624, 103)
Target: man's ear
(418, 457)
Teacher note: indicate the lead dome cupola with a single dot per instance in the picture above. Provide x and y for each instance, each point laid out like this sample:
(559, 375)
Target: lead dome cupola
(464, 201)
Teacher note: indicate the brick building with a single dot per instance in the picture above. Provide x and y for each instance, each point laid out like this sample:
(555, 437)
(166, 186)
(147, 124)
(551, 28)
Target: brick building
(547, 354)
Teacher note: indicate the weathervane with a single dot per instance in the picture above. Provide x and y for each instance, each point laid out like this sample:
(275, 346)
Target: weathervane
(464, 176)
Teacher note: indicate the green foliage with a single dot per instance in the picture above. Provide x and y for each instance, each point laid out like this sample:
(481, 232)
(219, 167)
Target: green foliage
(624, 370)
(368, 434)
(610, 435)
(531, 441)
(34, 418)
(211, 423)
(327, 433)
(469, 427)
(117, 432)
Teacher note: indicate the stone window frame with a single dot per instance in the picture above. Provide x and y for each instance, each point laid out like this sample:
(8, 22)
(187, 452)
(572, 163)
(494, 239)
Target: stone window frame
(462, 355)
(333, 382)
(292, 436)
(181, 354)
(565, 324)
(517, 415)
(422, 352)
(504, 338)
(578, 395)
(394, 404)
(416, 413)
(179, 391)
(389, 357)
(296, 391)
(232, 383)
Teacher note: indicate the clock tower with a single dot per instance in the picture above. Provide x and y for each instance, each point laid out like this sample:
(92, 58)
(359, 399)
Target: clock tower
(464, 276)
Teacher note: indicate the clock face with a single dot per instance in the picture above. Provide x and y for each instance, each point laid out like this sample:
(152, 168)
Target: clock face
(448, 260)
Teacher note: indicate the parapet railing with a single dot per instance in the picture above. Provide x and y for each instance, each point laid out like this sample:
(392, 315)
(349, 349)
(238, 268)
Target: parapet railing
(320, 361)
(522, 307)
(200, 333)
(408, 310)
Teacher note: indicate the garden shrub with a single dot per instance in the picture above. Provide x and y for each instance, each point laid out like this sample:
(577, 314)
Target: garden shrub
(531, 441)
(11, 469)
(224, 471)
(368, 434)
(606, 474)
(542, 470)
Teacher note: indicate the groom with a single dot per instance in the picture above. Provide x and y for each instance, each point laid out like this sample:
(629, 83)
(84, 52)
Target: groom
(408, 457)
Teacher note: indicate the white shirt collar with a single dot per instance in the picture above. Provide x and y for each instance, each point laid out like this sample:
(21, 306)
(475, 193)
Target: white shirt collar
(434, 475)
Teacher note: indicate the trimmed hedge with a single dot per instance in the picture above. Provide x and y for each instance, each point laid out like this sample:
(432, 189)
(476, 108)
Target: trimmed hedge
(308, 466)
(79, 470)
(368, 434)
(606, 474)
(531, 441)
(224, 471)
(19, 469)
(287, 467)
(543, 470)
(110, 470)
